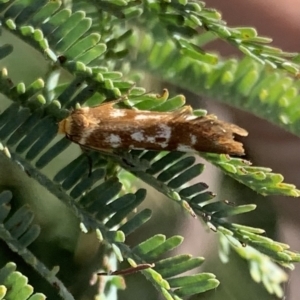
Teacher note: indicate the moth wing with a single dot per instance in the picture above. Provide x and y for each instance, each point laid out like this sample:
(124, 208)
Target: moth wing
(106, 127)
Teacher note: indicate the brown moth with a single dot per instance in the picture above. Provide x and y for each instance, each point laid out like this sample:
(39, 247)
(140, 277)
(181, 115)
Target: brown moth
(106, 128)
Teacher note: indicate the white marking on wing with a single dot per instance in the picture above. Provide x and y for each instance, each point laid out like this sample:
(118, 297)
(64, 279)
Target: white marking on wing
(150, 139)
(114, 140)
(164, 132)
(117, 113)
(146, 117)
(184, 148)
(193, 139)
(138, 136)
(85, 134)
(163, 145)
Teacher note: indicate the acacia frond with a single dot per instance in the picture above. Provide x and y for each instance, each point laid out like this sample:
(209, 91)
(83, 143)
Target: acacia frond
(182, 21)
(28, 128)
(262, 269)
(244, 84)
(18, 232)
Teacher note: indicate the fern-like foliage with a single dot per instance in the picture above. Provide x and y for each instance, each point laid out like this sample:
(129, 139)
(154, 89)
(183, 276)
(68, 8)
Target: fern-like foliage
(88, 46)
(258, 264)
(245, 83)
(18, 232)
(14, 285)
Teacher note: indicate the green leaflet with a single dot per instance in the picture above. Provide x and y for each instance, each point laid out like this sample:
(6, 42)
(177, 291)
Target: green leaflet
(259, 179)
(13, 285)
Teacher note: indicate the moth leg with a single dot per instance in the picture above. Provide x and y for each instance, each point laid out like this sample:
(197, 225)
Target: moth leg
(89, 158)
(133, 162)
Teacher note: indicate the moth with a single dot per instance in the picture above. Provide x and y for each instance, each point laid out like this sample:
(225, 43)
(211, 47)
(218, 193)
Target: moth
(107, 128)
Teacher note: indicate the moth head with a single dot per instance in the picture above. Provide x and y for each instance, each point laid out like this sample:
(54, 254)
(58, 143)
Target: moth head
(64, 126)
(75, 123)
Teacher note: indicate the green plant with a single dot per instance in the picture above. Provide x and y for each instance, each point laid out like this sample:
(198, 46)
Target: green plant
(87, 46)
